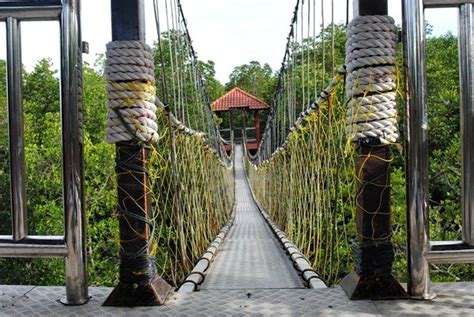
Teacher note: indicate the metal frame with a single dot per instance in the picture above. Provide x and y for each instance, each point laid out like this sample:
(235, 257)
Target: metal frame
(71, 246)
(422, 251)
(445, 3)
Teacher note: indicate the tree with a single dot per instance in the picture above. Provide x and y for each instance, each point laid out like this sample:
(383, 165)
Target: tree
(178, 80)
(213, 87)
(254, 78)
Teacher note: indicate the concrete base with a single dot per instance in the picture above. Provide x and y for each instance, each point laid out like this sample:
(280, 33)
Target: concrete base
(134, 295)
(358, 287)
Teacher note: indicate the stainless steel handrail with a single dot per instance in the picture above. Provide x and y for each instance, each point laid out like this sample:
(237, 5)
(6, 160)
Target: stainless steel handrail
(466, 71)
(422, 251)
(71, 246)
(445, 3)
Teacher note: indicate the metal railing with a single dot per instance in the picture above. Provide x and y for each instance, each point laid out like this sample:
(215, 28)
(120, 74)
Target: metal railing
(239, 133)
(421, 250)
(71, 246)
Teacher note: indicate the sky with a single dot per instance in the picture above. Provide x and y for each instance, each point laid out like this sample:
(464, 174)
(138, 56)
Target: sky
(228, 32)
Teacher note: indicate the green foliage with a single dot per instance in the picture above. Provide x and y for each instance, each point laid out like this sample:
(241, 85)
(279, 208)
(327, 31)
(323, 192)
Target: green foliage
(43, 169)
(255, 79)
(214, 87)
(41, 89)
(177, 83)
(4, 156)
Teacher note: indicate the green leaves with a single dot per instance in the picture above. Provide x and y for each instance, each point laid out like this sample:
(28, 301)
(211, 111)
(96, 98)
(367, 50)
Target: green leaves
(254, 78)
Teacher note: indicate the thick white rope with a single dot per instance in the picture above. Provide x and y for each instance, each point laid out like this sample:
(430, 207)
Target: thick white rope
(129, 70)
(371, 81)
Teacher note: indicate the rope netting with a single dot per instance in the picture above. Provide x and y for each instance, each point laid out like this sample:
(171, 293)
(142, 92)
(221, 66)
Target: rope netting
(309, 172)
(193, 195)
(169, 147)
(307, 186)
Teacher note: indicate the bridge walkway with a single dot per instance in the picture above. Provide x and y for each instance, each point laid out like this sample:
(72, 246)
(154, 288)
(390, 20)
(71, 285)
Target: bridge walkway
(251, 257)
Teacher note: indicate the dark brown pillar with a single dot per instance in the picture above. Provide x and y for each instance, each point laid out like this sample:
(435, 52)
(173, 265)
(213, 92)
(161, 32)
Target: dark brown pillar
(373, 251)
(257, 126)
(139, 283)
(244, 130)
(230, 122)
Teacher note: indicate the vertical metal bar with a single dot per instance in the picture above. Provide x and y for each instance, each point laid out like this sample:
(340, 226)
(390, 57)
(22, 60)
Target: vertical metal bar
(71, 110)
(419, 285)
(15, 124)
(466, 71)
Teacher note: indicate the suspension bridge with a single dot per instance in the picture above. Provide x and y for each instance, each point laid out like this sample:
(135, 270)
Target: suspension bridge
(295, 219)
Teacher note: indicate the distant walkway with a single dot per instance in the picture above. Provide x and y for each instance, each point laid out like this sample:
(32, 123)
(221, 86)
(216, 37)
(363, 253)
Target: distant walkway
(251, 257)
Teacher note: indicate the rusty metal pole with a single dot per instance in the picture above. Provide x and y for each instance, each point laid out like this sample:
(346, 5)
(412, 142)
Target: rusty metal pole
(373, 252)
(139, 284)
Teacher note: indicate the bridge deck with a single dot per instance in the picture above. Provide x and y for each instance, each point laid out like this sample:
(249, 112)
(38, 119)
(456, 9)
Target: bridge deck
(251, 257)
(454, 299)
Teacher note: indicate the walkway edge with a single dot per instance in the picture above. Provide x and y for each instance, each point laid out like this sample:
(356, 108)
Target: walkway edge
(198, 274)
(309, 275)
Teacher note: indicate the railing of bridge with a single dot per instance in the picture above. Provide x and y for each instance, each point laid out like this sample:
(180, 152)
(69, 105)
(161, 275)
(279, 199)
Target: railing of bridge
(307, 186)
(303, 174)
(322, 170)
(422, 250)
(70, 243)
(175, 179)
(306, 170)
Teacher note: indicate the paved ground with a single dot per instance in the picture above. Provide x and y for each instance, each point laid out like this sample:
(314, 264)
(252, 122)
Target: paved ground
(454, 299)
(251, 257)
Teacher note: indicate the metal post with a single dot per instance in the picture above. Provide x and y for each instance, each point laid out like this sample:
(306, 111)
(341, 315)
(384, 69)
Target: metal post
(466, 66)
(15, 125)
(372, 278)
(71, 112)
(134, 199)
(419, 285)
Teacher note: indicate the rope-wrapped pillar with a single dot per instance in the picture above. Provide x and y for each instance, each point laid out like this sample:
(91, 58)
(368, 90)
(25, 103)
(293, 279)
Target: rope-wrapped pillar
(372, 126)
(131, 125)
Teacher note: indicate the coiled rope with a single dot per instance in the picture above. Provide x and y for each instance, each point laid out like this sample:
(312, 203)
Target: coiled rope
(371, 80)
(129, 70)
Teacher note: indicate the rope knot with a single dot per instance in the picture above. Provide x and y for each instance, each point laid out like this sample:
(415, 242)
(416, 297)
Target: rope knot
(371, 81)
(129, 70)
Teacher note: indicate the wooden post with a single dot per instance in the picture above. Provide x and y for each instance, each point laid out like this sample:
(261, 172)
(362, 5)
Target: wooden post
(373, 252)
(139, 283)
(230, 121)
(257, 126)
(244, 130)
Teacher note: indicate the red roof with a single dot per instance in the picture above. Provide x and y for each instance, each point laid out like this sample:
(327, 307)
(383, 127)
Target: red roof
(238, 99)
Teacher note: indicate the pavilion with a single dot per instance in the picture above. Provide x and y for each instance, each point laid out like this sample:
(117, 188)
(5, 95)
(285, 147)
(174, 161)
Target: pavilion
(234, 108)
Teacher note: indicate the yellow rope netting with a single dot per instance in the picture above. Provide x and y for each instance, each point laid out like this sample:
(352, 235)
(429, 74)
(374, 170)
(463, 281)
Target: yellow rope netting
(193, 195)
(308, 188)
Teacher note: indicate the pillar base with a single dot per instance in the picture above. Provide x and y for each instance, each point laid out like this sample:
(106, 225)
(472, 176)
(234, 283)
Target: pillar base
(133, 295)
(374, 288)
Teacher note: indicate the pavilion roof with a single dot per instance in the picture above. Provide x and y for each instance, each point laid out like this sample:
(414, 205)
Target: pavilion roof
(238, 99)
